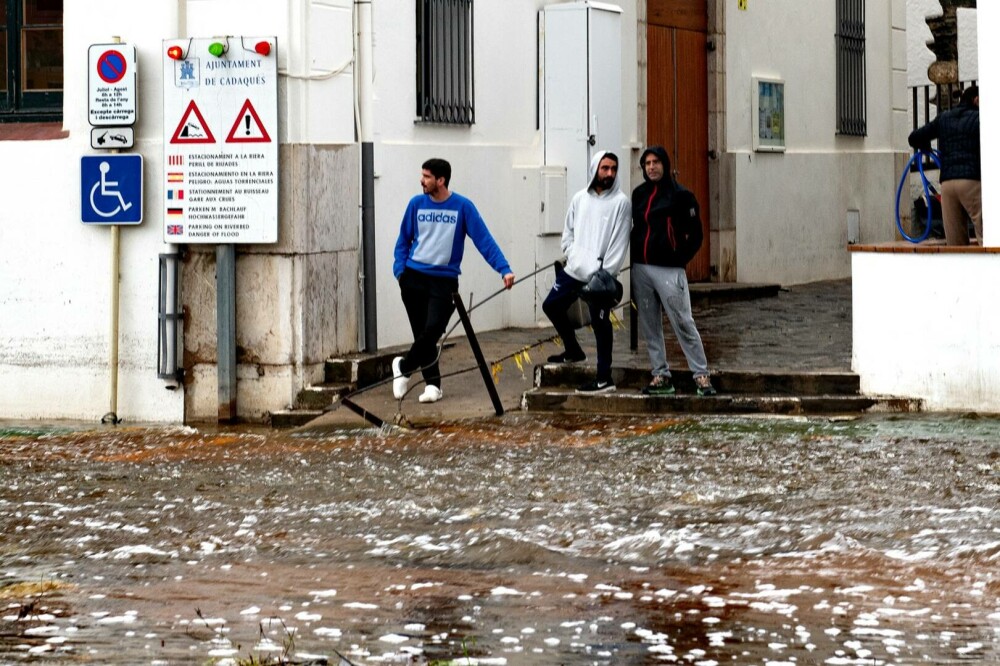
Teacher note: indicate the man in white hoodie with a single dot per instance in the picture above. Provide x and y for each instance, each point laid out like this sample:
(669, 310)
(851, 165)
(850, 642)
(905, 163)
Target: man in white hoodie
(595, 235)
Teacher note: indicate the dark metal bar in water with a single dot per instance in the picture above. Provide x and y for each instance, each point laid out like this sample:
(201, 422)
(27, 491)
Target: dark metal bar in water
(478, 353)
(362, 412)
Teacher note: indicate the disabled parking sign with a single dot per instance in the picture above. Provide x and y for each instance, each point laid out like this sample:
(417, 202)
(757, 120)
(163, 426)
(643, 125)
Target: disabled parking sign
(111, 189)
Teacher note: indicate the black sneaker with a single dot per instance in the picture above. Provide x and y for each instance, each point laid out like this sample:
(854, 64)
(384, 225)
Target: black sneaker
(596, 386)
(566, 357)
(659, 386)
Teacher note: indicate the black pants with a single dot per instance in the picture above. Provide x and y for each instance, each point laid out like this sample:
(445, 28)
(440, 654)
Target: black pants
(429, 306)
(556, 304)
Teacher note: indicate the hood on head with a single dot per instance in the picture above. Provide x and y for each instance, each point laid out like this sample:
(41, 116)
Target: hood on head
(595, 162)
(660, 152)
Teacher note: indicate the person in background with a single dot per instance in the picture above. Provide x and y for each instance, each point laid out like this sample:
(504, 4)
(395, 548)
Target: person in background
(666, 234)
(427, 263)
(957, 134)
(595, 235)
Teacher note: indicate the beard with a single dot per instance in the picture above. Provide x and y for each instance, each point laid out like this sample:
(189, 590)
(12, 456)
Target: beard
(606, 183)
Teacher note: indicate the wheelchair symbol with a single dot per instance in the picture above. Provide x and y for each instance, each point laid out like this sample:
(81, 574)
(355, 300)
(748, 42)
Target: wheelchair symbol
(106, 186)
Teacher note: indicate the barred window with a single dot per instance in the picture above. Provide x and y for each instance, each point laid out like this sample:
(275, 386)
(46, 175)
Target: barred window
(31, 60)
(445, 91)
(852, 116)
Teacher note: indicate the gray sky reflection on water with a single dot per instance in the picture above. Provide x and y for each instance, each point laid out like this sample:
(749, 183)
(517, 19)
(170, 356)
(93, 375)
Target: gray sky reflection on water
(527, 541)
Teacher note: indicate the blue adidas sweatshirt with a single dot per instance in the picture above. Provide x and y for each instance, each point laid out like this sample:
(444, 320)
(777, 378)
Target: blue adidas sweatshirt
(432, 237)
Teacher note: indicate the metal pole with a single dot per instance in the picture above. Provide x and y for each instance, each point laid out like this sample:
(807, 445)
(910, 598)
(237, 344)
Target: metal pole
(366, 122)
(112, 415)
(368, 246)
(478, 353)
(225, 303)
(633, 316)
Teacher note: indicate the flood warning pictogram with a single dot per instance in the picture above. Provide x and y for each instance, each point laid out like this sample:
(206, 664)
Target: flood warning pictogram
(248, 127)
(192, 129)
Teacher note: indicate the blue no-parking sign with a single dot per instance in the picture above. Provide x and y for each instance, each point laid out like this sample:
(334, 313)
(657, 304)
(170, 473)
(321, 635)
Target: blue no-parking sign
(111, 189)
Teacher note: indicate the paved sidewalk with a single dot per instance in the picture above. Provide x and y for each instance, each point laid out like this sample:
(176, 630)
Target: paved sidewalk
(805, 327)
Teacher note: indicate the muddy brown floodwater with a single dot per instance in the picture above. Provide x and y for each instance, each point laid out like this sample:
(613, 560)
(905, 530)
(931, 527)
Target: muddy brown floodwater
(527, 540)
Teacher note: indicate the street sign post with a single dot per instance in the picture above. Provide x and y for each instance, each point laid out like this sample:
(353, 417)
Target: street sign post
(111, 189)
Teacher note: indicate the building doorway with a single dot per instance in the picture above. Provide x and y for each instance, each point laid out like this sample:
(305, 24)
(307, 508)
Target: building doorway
(677, 101)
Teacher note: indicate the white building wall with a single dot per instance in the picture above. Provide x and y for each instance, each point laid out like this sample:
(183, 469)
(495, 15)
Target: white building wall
(918, 38)
(297, 301)
(55, 326)
(790, 208)
(968, 44)
(925, 326)
(55, 330)
(486, 157)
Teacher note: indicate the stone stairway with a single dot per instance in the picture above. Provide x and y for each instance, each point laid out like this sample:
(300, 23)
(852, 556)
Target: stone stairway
(740, 392)
(341, 376)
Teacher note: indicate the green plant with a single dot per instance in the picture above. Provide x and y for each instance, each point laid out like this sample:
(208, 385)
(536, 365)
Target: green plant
(287, 645)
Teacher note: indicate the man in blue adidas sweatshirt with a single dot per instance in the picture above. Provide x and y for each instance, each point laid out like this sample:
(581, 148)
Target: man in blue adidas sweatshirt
(428, 259)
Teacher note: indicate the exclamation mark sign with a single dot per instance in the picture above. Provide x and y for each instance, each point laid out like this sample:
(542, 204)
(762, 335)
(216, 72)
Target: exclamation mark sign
(246, 121)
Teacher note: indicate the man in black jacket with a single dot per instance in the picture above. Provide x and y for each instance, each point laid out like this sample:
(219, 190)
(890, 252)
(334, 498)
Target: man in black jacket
(957, 132)
(666, 234)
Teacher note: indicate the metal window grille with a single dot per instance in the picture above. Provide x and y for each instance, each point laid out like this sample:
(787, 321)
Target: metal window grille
(852, 98)
(445, 90)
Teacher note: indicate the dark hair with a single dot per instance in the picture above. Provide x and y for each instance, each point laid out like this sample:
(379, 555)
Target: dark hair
(969, 95)
(609, 155)
(439, 168)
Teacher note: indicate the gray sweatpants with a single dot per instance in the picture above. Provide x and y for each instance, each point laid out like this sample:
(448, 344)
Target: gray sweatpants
(656, 285)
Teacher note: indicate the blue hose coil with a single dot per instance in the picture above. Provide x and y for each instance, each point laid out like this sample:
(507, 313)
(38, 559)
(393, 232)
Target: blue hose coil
(918, 156)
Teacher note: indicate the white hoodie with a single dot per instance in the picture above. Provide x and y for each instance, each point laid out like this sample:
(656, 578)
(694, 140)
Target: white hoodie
(597, 225)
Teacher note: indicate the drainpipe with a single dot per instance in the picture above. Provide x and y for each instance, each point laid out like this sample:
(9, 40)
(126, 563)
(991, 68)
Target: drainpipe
(363, 67)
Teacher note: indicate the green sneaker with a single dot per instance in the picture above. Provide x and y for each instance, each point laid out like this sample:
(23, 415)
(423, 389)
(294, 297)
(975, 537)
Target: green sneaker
(659, 386)
(704, 385)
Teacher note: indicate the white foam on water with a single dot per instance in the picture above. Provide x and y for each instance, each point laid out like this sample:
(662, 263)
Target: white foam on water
(308, 617)
(331, 632)
(322, 594)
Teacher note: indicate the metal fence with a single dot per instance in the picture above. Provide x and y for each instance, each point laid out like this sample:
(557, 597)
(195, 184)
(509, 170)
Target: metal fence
(929, 100)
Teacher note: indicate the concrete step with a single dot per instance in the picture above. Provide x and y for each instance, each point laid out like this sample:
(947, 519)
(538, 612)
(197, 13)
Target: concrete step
(724, 292)
(363, 370)
(321, 396)
(293, 418)
(730, 382)
(632, 402)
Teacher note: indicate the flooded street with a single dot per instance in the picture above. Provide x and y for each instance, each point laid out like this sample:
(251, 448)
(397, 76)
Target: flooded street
(533, 541)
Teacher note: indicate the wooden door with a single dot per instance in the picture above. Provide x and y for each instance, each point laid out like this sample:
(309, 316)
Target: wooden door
(677, 99)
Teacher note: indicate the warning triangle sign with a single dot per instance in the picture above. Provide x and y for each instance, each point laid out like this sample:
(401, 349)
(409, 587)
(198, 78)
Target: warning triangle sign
(248, 128)
(192, 130)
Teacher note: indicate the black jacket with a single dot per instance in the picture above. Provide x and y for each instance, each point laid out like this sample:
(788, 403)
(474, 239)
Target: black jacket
(957, 132)
(666, 226)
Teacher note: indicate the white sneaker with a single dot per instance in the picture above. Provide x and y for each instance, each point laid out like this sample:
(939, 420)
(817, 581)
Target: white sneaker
(431, 394)
(399, 382)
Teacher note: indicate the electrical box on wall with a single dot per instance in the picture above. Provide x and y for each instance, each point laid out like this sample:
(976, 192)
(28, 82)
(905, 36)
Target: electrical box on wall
(581, 94)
